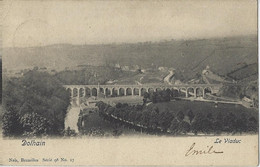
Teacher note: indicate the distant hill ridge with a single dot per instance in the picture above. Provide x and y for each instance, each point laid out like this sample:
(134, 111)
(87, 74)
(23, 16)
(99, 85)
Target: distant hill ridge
(223, 55)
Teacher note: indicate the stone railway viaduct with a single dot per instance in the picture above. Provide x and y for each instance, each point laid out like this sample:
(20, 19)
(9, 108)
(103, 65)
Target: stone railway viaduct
(187, 90)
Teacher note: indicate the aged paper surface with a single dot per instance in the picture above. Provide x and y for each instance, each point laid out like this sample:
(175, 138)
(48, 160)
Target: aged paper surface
(129, 83)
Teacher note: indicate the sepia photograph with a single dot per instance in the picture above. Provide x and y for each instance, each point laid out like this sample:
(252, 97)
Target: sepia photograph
(109, 71)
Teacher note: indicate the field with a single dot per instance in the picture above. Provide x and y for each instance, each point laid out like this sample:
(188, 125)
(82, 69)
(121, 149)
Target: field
(149, 77)
(242, 73)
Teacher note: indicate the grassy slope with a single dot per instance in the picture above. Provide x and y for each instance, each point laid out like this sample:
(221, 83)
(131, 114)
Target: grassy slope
(242, 73)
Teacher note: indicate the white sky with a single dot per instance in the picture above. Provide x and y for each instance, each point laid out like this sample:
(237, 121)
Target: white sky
(34, 23)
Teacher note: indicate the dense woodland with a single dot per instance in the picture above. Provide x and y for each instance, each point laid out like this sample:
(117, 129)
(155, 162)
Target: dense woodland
(34, 105)
(160, 96)
(154, 121)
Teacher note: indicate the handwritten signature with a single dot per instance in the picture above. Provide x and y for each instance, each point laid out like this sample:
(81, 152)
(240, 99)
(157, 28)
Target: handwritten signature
(208, 150)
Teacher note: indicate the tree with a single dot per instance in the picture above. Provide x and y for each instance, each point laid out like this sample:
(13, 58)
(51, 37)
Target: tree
(110, 110)
(175, 93)
(180, 116)
(174, 127)
(165, 95)
(144, 101)
(124, 105)
(138, 107)
(35, 125)
(230, 122)
(197, 125)
(146, 95)
(168, 95)
(184, 127)
(252, 124)
(145, 117)
(138, 117)
(127, 111)
(165, 119)
(11, 124)
(206, 125)
(154, 97)
(132, 115)
(156, 109)
(160, 96)
(154, 119)
(119, 105)
(190, 115)
(101, 106)
(241, 123)
(35, 68)
(218, 123)
(210, 117)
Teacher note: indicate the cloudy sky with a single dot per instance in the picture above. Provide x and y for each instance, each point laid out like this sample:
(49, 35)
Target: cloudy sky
(37, 23)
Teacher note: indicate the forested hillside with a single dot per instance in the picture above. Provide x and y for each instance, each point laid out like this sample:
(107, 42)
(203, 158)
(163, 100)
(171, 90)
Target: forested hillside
(34, 105)
(223, 55)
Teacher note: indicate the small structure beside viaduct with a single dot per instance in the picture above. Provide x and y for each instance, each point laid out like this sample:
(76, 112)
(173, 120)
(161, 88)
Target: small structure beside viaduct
(187, 90)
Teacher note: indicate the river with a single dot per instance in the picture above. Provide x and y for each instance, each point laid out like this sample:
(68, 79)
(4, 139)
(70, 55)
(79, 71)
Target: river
(72, 116)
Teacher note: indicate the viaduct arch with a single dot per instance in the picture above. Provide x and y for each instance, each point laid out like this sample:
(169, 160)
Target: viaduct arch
(187, 90)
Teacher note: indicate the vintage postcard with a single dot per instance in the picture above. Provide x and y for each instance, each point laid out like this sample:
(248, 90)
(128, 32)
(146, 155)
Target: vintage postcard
(129, 82)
